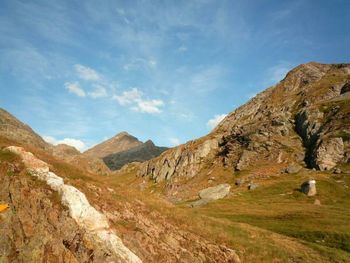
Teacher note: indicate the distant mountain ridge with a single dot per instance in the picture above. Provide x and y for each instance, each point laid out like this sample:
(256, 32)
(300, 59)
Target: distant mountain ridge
(121, 142)
(141, 153)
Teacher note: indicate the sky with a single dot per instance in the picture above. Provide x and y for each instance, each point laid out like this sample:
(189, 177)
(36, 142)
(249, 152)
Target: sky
(79, 72)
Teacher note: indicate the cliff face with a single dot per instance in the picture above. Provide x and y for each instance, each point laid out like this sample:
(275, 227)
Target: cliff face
(303, 119)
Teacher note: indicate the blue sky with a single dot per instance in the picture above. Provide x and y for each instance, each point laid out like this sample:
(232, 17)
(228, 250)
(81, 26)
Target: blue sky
(82, 71)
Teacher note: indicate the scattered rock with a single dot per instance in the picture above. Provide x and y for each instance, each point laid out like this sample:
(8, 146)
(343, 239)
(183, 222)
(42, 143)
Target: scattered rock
(337, 171)
(215, 192)
(252, 186)
(317, 202)
(309, 188)
(239, 181)
(199, 202)
(293, 168)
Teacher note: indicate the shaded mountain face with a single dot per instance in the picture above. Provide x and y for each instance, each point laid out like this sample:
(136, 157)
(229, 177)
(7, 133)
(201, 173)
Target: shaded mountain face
(141, 153)
(303, 119)
(12, 128)
(120, 142)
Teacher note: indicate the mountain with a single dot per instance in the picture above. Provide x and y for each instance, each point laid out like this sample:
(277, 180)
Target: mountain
(120, 142)
(12, 128)
(238, 194)
(140, 153)
(304, 119)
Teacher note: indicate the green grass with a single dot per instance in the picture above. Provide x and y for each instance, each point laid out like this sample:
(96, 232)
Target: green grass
(282, 209)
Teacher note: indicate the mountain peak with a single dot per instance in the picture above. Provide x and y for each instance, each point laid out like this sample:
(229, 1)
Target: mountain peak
(118, 143)
(123, 133)
(149, 142)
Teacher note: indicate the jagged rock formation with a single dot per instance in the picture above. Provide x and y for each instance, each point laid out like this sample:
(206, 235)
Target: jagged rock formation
(140, 153)
(120, 142)
(12, 128)
(303, 119)
(87, 217)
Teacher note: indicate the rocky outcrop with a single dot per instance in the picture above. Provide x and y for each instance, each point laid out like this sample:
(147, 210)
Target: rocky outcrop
(87, 217)
(308, 101)
(345, 88)
(185, 160)
(329, 153)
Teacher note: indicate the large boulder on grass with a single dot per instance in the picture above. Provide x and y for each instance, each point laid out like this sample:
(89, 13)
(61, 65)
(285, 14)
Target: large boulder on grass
(215, 192)
(309, 188)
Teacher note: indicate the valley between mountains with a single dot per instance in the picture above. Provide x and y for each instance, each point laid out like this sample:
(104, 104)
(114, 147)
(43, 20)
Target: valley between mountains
(269, 184)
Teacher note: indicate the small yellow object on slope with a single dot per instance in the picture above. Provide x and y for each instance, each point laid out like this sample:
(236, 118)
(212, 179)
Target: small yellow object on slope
(3, 207)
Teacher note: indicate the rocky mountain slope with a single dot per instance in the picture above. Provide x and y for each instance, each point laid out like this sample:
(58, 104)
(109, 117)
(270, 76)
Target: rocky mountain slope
(120, 142)
(12, 128)
(140, 153)
(304, 119)
(59, 213)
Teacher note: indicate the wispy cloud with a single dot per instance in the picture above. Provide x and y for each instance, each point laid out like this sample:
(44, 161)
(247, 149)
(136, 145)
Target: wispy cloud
(135, 99)
(74, 87)
(212, 123)
(86, 73)
(140, 63)
(98, 92)
(78, 144)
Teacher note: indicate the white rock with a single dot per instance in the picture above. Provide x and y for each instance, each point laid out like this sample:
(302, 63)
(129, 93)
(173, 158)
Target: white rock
(80, 210)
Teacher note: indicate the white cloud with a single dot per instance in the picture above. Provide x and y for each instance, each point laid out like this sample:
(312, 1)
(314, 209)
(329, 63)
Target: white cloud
(212, 123)
(129, 97)
(98, 92)
(135, 99)
(74, 87)
(149, 106)
(174, 141)
(140, 63)
(86, 73)
(78, 144)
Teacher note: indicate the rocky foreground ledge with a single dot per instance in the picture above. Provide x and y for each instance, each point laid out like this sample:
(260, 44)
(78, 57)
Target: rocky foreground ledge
(87, 217)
